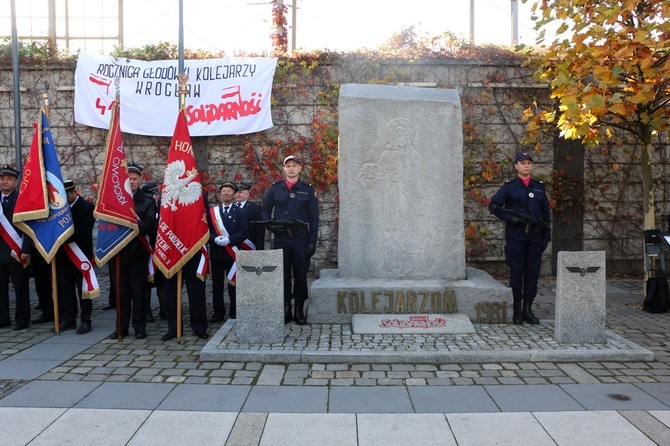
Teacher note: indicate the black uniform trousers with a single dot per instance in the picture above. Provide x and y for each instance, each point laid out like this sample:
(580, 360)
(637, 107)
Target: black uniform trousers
(42, 276)
(15, 272)
(296, 263)
(69, 292)
(524, 259)
(197, 300)
(220, 270)
(133, 283)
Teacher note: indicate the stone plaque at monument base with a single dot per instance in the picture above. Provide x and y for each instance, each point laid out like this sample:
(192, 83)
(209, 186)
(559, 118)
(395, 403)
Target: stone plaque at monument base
(580, 298)
(260, 297)
(401, 236)
(411, 324)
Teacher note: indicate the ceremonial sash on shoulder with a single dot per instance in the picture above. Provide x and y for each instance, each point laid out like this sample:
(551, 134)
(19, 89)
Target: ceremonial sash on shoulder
(203, 265)
(220, 229)
(12, 238)
(89, 283)
(146, 242)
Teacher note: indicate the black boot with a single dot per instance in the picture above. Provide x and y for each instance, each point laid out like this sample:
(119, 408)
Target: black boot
(160, 291)
(527, 313)
(147, 304)
(300, 318)
(288, 315)
(517, 318)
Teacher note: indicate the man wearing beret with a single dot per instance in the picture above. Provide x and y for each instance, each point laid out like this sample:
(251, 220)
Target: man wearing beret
(134, 260)
(69, 275)
(254, 212)
(228, 227)
(293, 199)
(526, 238)
(15, 248)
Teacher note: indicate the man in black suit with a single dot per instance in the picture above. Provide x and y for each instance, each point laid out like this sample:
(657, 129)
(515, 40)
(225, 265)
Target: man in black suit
(10, 266)
(69, 276)
(228, 227)
(254, 213)
(134, 260)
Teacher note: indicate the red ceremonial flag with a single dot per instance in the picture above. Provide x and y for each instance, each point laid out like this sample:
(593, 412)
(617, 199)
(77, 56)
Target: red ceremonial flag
(182, 225)
(115, 209)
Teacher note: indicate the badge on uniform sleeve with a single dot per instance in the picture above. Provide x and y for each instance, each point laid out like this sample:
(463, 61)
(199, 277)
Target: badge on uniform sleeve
(292, 195)
(531, 195)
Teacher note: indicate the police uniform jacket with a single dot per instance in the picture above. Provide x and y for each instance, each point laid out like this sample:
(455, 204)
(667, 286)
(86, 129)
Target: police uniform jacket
(237, 226)
(5, 250)
(83, 221)
(256, 232)
(531, 200)
(299, 203)
(145, 208)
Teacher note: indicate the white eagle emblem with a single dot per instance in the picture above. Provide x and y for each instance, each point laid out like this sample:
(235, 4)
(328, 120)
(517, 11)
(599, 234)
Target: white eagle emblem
(178, 187)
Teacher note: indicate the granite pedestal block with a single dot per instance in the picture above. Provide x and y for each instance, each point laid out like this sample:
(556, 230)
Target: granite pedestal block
(580, 298)
(335, 299)
(260, 297)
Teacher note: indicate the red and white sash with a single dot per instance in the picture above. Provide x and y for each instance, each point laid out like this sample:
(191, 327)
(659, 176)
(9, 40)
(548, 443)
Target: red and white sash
(12, 238)
(220, 229)
(146, 242)
(203, 265)
(89, 284)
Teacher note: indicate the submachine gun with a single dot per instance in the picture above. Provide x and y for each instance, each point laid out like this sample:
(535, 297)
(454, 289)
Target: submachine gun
(281, 227)
(524, 218)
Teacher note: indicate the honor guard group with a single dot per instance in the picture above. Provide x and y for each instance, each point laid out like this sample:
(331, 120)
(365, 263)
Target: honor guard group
(289, 211)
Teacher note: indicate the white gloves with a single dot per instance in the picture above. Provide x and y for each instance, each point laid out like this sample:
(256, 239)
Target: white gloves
(222, 240)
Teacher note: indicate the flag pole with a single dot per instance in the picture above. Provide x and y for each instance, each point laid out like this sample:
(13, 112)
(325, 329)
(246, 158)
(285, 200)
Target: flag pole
(117, 257)
(52, 264)
(183, 90)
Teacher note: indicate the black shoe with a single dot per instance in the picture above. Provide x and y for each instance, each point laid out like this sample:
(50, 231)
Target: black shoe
(65, 326)
(108, 307)
(84, 328)
(42, 319)
(527, 314)
(162, 316)
(20, 326)
(216, 319)
(299, 317)
(288, 315)
(150, 317)
(140, 334)
(115, 335)
(201, 334)
(5, 324)
(168, 336)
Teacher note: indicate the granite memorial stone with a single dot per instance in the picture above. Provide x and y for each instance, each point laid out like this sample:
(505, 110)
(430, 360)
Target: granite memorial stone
(580, 298)
(401, 243)
(260, 302)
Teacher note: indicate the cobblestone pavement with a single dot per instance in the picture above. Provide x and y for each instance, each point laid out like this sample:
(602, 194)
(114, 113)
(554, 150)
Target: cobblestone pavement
(151, 360)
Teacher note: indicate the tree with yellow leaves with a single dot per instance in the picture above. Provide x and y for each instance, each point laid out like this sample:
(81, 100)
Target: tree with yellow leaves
(608, 69)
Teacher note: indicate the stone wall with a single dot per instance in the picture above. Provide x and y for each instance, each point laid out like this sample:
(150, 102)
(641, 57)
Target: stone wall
(493, 97)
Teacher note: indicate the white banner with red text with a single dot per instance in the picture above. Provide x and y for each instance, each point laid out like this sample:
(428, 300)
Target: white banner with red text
(227, 96)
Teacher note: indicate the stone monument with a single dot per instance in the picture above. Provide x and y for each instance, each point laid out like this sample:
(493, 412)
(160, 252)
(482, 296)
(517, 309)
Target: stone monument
(580, 298)
(401, 243)
(260, 308)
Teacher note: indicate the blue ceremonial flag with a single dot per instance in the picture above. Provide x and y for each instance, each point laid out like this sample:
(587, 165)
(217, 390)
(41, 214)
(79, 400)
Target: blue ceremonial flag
(115, 208)
(42, 210)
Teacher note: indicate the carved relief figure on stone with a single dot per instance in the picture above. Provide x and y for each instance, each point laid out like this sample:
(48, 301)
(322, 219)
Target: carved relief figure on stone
(399, 162)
